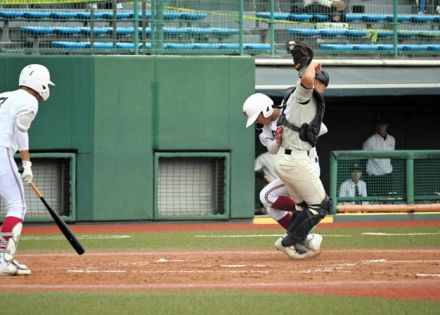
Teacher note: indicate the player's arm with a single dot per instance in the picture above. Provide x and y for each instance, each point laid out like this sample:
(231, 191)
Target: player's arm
(308, 78)
(267, 139)
(23, 123)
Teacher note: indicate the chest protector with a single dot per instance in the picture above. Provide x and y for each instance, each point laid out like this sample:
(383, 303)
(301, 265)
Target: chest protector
(307, 132)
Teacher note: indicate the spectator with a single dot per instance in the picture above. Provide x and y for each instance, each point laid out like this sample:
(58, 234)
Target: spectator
(379, 170)
(380, 141)
(333, 8)
(354, 187)
(421, 6)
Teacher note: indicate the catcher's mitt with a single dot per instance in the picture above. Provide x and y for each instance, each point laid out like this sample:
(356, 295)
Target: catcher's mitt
(302, 54)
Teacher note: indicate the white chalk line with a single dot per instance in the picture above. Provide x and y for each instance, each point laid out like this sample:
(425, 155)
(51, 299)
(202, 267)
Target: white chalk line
(260, 235)
(398, 234)
(415, 284)
(79, 236)
(201, 251)
(428, 275)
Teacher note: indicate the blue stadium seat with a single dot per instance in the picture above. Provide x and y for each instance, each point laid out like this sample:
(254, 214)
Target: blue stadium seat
(68, 30)
(103, 45)
(130, 46)
(37, 30)
(332, 32)
(70, 45)
(36, 14)
(434, 47)
(384, 33)
(400, 18)
(120, 15)
(385, 47)
(87, 15)
(206, 46)
(8, 14)
(257, 47)
(365, 47)
(300, 17)
(356, 33)
(277, 15)
(321, 17)
(374, 18)
(178, 45)
(148, 15)
(413, 47)
(406, 34)
(437, 18)
(422, 18)
(194, 16)
(428, 33)
(303, 31)
(353, 17)
(336, 47)
(100, 30)
(224, 31)
(63, 15)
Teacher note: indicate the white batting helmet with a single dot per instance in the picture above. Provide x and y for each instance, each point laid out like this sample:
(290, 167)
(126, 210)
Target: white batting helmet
(36, 77)
(255, 105)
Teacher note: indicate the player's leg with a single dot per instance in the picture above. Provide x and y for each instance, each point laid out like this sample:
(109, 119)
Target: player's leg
(303, 184)
(279, 205)
(12, 194)
(315, 206)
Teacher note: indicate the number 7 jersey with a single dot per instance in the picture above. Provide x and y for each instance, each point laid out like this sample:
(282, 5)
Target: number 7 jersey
(13, 106)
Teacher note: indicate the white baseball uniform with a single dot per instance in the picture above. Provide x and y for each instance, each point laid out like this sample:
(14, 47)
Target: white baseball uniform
(270, 193)
(13, 137)
(292, 161)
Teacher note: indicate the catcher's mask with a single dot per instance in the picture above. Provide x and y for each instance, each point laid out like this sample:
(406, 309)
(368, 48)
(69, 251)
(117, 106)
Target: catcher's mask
(323, 77)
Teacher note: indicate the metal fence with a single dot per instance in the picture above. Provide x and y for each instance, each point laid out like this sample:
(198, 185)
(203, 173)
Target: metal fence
(54, 174)
(331, 27)
(414, 177)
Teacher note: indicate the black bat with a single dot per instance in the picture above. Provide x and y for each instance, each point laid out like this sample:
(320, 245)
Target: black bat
(60, 223)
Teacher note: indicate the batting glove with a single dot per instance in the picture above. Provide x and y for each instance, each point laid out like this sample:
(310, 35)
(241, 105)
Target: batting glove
(27, 172)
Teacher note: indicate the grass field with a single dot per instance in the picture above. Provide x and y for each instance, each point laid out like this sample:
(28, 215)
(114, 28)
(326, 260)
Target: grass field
(216, 301)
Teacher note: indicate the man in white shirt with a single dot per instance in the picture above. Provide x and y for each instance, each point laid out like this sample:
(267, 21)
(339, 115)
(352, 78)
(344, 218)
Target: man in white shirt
(354, 187)
(380, 141)
(379, 170)
(17, 111)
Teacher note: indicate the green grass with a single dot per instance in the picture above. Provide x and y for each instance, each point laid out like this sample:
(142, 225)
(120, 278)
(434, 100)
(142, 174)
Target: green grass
(204, 303)
(219, 302)
(333, 239)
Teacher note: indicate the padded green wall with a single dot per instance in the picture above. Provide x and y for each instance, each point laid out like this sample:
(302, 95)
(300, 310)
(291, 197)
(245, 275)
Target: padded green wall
(115, 111)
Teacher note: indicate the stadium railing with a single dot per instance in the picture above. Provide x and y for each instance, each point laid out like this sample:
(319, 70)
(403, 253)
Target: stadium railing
(215, 27)
(414, 182)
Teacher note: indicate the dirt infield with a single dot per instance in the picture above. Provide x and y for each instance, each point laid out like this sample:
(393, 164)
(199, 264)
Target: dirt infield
(404, 274)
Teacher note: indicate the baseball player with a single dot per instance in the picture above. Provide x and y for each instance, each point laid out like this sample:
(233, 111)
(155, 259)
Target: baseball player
(300, 129)
(274, 196)
(17, 111)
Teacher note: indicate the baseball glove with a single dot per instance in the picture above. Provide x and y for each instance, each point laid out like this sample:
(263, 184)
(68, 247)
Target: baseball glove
(302, 54)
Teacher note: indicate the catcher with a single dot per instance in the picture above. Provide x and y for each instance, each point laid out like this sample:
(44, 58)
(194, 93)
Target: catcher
(300, 128)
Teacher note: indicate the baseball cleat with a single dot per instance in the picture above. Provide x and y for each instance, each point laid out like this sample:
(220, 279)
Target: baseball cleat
(290, 250)
(8, 269)
(313, 242)
(22, 269)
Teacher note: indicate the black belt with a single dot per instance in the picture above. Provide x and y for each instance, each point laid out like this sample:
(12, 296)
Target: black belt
(289, 151)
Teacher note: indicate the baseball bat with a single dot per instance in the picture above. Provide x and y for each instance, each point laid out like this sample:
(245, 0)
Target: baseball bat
(59, 222)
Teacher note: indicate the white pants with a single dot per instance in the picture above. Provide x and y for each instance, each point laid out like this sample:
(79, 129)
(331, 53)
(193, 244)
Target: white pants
(300, 177)
(269, 194)
(11, 185)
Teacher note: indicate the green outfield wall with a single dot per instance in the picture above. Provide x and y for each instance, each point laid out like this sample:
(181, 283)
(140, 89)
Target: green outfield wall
(115, 112)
